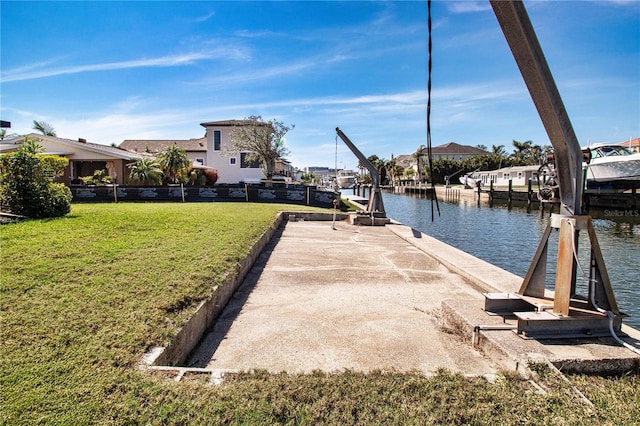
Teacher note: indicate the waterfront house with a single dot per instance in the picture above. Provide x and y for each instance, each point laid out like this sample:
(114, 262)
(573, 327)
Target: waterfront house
(518, 175)
(231, 167)
(284, 168)
(84, 157)
(214, 150)
(407, 162)
(454, 151)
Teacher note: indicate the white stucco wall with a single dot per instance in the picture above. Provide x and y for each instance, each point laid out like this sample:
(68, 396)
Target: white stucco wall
(221, 160)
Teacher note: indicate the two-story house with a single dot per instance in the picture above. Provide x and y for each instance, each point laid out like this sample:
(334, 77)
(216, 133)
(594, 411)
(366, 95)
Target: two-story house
(231, 167)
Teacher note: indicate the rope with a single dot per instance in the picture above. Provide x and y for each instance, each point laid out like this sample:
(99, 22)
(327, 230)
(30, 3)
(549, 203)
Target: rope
(429, 154)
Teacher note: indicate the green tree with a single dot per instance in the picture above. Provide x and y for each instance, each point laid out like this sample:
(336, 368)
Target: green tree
(378, 164)
(308, 178)
(44, 128)
(395, 171)
(498, 151)
(145, 171)
(174, 163)
(263, 140)
(409, 173)
(419, 156)
(26, 183)
(522, 153)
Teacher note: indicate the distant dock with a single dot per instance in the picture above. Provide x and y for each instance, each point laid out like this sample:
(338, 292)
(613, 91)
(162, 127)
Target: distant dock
(629, 200)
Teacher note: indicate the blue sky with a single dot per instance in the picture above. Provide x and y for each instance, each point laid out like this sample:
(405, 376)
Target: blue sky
(109, 71)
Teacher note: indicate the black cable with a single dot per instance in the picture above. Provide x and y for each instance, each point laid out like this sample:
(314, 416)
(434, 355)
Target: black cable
(429, 154)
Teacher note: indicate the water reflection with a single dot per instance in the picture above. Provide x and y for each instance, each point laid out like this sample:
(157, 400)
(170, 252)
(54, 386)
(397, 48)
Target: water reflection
(507, 236)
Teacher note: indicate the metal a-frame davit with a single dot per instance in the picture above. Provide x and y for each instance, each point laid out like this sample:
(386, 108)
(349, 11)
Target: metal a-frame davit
(375, 206)
(560, 313)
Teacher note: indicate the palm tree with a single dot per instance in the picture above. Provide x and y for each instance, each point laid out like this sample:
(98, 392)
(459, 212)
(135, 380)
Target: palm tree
(44, 128)
(536, 155)
(396, 171)
(498, 150)
(522, 151)
(173, 162)
(145, 171)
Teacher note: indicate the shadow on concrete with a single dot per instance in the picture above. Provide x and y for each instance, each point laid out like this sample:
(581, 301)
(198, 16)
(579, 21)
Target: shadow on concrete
(206, 348)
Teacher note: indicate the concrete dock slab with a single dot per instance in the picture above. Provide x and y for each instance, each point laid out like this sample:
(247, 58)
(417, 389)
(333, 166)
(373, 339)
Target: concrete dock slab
(369, 298)
(357, 298)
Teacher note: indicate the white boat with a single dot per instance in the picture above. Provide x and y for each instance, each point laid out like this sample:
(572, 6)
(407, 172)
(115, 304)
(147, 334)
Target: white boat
(612, 164)
(469, 181)
(346, 179)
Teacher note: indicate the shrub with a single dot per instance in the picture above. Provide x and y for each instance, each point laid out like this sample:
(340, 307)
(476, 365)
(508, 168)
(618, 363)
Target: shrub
(99, 177)
(26, 186)
(173, 162)
(145, 171)
(211, 176)
(57, 201)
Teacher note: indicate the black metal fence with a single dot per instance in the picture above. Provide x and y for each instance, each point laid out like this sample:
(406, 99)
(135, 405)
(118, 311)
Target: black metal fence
(289, 194)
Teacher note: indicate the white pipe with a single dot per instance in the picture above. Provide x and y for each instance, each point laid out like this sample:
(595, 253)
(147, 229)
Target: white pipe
(611, 317)
(592, 291)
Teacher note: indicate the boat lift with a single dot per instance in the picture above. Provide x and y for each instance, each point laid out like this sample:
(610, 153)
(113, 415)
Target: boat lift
(375, 206)
(560, 313)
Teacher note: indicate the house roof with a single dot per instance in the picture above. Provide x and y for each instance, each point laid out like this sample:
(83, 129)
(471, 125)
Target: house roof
(232, 123)
(631, 143)
(154, 146)
(71, 146)
(404, 160)
(454, 148)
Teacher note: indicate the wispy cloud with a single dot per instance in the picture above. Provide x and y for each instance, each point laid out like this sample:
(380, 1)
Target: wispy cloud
(266, 73)
(259, 34)
(31, 72)
(204, 18)
(468, 6)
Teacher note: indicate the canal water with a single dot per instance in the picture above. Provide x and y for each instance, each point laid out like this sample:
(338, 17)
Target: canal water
(508, 237)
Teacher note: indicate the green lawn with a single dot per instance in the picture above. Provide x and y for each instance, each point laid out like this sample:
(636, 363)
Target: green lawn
(83, 297)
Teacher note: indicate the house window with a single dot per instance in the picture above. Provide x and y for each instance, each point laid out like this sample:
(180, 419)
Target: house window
(244, 164)
(200, 161)
(232, 161)
(506, 176)
(216, 140)
(519, 175)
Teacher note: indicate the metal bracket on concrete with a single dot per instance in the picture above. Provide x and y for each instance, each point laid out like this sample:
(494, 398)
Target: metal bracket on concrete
(546, 325)
(561, 313)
